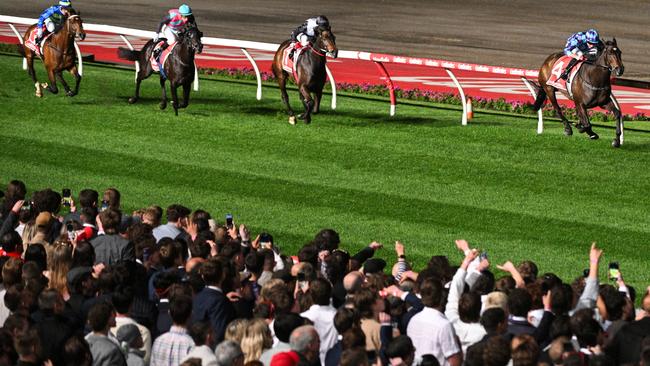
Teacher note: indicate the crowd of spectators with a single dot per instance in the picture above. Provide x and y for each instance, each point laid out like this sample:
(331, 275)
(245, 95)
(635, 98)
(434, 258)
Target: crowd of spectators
(90, 285)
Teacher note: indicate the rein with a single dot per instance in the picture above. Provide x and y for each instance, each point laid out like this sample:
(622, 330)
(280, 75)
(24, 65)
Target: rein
(70, 35)
(316, 51)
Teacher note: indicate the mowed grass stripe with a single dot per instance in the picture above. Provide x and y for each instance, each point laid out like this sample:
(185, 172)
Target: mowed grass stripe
(419, 177)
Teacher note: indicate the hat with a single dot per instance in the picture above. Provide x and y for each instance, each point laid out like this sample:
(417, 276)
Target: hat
(374, 265)
(285, 359)
(127, 333)
(44, 219)
(77, 274)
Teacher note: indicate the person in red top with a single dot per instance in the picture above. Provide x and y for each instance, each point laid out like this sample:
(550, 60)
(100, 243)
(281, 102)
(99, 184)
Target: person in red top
(12, 245)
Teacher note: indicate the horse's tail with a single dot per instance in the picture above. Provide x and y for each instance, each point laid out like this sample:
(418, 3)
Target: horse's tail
(21, 49)
(127, 54)
(541, 97)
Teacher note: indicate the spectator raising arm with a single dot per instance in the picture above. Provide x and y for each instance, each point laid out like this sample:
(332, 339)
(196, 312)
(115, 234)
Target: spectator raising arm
(590, 294)
(510, 268)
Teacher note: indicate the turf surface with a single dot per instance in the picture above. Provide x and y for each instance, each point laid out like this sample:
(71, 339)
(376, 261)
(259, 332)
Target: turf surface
(418, 177)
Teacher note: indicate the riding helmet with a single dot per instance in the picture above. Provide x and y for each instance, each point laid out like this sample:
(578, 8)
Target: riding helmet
(185, 10)
(592, 36)
(65, 3)
(322, 21)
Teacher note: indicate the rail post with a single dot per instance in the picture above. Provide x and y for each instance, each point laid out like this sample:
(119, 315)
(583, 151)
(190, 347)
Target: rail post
(540, 116)
(389, 83)
(463, 101)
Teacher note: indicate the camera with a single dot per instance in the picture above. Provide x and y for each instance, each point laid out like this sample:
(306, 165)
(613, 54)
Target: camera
(484, 255)
(71, 234)
(229, 221)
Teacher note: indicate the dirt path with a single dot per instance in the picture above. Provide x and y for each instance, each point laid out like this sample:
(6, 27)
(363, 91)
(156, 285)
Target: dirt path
(509, 33)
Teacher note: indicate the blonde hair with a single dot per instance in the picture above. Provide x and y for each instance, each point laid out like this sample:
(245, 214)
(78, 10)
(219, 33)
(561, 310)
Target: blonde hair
(59, 259)
(235, 330)
(257, 337)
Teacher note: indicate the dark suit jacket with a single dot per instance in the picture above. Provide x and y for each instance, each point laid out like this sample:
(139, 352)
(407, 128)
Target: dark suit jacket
(625, 348)
(110, 249)
(541, 333)
(213, 306)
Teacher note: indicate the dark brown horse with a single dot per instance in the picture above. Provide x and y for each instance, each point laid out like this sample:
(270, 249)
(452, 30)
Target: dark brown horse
(591, 88)
(58, 55)
(310, 72)
(179, 68)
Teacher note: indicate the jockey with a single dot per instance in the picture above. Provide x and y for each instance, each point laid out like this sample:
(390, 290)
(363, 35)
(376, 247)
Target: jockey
(173, 22)
(306, 33)
(579, 47)
(52, 18)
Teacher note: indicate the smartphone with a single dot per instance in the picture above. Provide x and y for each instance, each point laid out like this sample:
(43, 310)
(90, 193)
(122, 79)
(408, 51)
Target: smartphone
(484, 255)
(26, 206)
(265, 241)
(71, 234)
(67, 197)
(229, 221)
(613, 271)
(585, 273)
(104, 206)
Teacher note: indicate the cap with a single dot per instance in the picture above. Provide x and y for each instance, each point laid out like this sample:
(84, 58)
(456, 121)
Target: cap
(374, 265)
(127, 333)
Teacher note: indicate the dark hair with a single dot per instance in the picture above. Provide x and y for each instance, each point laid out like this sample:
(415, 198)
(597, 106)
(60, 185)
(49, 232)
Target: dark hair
(199, 332)
(602, 360)
(439, 265)
(429, 360)
(16, 191)
(496, 352)
(401, 346)
(345, 319)
(169, 252)
(561, 326)
(469, 307)
(431, 292)
(491, 318)
(614, 301)
(309, 254)
(12, 272)
(13, 296)
(320, 291)
(353, 337)
(88, 198)
(112, 197)
(28, 343)
(527, 352)
(484, 283)
(122, 299)
(76, 352)
(354, 357)
(364, 300)
(11, 241)
(505, 284)
(528, 270)
(212, 272)
(284, 324)
(519, 302)
(327, 239)
(99, 316)
(254, 262)
(561, 299)
(48, 300)
(87, 215)
(180, 308)
(201, 219)
(585, 327)
(110, 219)
(47, 200)
(176, 212)
(36, 253)
(83, 255)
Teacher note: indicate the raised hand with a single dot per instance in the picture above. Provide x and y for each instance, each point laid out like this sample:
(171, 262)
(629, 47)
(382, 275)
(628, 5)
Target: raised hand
(399, 248)
(462, 245)
(375, 245)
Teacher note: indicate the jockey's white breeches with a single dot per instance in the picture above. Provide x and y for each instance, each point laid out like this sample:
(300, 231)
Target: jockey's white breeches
(303, 39)
(49, 25)
(170, 34)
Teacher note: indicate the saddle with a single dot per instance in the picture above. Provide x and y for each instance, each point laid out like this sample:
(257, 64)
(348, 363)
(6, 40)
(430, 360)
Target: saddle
(288, 63)
(157, 64)
(30, 42)
(557, 70)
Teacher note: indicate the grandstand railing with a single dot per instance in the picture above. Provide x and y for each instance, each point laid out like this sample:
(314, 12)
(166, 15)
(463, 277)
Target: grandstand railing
(378, 58)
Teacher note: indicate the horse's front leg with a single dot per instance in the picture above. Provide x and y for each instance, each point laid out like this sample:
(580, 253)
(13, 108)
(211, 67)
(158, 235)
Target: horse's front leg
(282, 83)
(318, 95)
(186, 95)
(308, 102)
(163, 101)
(613, 107)
(30, 70)
(581, 110)
(52, 87)
(59, 76)
(77, 79)
(174, 89)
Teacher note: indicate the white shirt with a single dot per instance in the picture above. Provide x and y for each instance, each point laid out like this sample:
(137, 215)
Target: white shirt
(432, 333)
(144, 332)
(468, 333)
(323, 318)
(204, 353)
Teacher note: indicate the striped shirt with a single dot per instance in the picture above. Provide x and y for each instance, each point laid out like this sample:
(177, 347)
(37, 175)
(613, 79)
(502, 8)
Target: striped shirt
(171, 348)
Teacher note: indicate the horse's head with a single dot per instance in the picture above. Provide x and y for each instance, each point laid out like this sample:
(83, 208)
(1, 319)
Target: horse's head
(191, 36)
(612, 57)
(326, 41)
(75, 25)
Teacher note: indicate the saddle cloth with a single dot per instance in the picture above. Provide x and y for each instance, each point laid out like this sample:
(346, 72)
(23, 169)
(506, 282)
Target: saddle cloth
(30, 42)
(557, 70)
(289, 64)
(156, 65)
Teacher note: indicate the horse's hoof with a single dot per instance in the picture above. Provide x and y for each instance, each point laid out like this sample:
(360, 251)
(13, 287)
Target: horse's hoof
(39, 95)
(568, 132)
(44, 85)
(70, 93)
(307, 121)
(581, 129)
(162, 105)
(594, 136)
(616, 143)
(292, 120)
(301, 116)
(133, 100)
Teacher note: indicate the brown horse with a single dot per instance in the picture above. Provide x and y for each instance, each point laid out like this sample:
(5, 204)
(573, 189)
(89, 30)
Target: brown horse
(310, 72)
(179, 68)
(591, 88)
(58, 55)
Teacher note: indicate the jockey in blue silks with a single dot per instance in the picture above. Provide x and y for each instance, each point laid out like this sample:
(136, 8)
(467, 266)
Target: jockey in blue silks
(52, 18)
(580, 46)
(306, 32)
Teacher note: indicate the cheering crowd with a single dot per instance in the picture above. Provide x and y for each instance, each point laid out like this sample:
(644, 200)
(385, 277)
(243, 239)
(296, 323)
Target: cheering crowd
(96, 286)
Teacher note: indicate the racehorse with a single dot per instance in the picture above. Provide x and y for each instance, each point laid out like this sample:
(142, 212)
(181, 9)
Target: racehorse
(309, 72)
(58, 55)
(591, 88)
(178, 69)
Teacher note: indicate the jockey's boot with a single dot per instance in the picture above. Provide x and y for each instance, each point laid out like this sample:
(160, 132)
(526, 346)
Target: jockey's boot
(570, 66)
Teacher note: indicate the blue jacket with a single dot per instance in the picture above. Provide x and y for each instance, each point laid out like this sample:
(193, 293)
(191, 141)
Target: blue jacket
(213, 307)
(53, 12)
(578, 40)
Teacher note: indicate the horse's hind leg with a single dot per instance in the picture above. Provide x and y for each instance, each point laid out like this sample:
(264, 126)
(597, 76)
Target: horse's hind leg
(173, 88)
(30, 70)
(144, 73)
(581, 110)
(66, 87)
(77, 79)
(163, 101)
(186, 95)
(550, 92)
(282, 83)
(318, 95)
